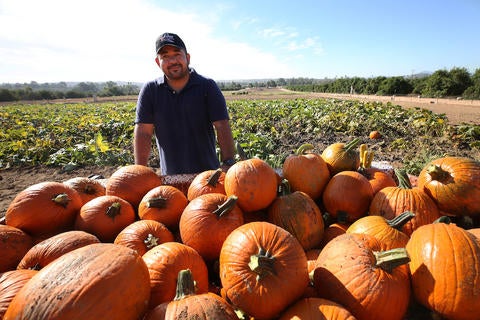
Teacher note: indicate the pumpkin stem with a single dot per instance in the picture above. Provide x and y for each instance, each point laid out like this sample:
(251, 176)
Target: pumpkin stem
(399, 221)
(227, 206)
(113, 210)
(61, 199)
(151, 241)
(438, 174)
(262, 263)
(351, 145)
(89, 189)
(342, 217)
(284, 188)
(213, 179)
(304, 148)
(443, 219)
(390, 259)
(159, 202)
(185, 285)
(403, 181)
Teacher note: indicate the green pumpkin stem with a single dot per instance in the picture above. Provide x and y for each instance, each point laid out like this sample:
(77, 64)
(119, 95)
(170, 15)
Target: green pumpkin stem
(304, 148)
(351, 145)
(284, 188)
(159, 202)
(213, 179)
(185, 285)
(227, 206)
(443, 219)
(438, 174)
(403, 181)
(390, 259)
(399, 221)
(61, 199)
(262, 263)
(113, 210)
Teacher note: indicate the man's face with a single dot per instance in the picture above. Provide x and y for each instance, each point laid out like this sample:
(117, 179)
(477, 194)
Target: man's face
(173, 62)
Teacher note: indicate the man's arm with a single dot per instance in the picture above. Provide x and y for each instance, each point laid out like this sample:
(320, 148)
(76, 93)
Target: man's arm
(142, 142)
(225, 139)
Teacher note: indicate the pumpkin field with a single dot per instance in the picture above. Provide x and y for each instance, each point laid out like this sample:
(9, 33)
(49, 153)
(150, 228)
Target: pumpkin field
(335, 209)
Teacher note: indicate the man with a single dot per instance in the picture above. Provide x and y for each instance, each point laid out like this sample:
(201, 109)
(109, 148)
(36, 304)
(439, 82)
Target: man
(186, 111)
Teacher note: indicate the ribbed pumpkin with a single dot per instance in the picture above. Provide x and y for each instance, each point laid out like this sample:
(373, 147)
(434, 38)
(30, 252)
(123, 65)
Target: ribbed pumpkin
(164, 204)
(355, 271)
(209, 181)
(445, 270)
(10, 283)
(297, 213)
(306, 171)
(254, 182)
(206, 222)
(52, 248)
(164, 262)
(342, 156)
(132, 182)
(475, 232)
(105, 217)
(333, 231)
(143, 235)
(347, 196)
(14, 243)
(393, 201)
(187, 304)
(315, 309)
(86, 187)
(45, 208)
(263, 269)
(87, 283)
(454, 184)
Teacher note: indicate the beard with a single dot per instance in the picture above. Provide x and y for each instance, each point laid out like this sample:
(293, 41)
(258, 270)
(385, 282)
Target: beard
(177, 71)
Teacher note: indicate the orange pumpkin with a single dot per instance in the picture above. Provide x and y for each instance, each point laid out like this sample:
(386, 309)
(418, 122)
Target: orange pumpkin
(72, 286)
(316, 308)
(209, 181)
(445, 270)
(454, 184)
(333, 231)
(378, 178)
(254, 182)
(143, 235)
(10, 283)
(86, 187)
(374, 134)
(14, 244)
(342, 156)
(164, 204)
(306, 171)
(263, 269)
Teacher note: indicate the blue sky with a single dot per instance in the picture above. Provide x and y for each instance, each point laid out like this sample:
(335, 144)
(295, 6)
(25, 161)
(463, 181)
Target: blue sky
(113, 40)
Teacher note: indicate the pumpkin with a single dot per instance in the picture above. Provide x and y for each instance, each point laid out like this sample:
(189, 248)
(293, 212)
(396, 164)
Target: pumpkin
(143, 235)
(105, 217)
(393, 201)
(164, 262)
(332, 231)
(347, 196)
(297, 213)
(378, 178)
(10, 283)
(386, 231)
(374, 134)
(209, 181)
(445, 270)
(187, 304)
(475, 232)
(454, 184)
(51, 248)
(87, 283)
(86, 187)
(262, 269)
(164, 204)
(44, 208)
(253, 182)
(132, 182)
(14, 244)
(342, 156)
(357, 272)
(316, 308)
(306, 171)
(206, 222)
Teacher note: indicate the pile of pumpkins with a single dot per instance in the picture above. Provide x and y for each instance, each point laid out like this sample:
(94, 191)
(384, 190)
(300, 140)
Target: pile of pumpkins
(330, 237)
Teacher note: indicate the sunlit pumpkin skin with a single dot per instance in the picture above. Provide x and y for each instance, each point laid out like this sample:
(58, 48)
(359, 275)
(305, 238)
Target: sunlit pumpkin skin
(475, 232)
(347, 196)
(342, 156)
(10, 283)
(306, 171)
(164, 262)
(105, 217)
(87, 283)
(375, 134)
(263, 269)
(297, 213)
(45, 208)
(254, 182)
(454, 184)
(348, 272)
(393, 201)
(51, 248)
(14, 243)
(187, 304)
(132, 182)
(206, 222)
(164, 204)
(315, 309)
(445, 270)
(332, 231)
(86, 187)
(209, 181)
(143, 235)
(378, 178)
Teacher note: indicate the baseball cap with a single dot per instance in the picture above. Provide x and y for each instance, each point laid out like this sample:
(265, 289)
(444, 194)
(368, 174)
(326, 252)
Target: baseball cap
(169, 39)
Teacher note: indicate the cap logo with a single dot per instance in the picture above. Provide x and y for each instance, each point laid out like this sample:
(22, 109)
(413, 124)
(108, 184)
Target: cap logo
(167, 38)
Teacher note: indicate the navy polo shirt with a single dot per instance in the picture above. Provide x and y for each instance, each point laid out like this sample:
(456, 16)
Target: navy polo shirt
(183, 122)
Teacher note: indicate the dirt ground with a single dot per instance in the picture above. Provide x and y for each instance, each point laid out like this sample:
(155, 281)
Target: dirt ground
(12, 181)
